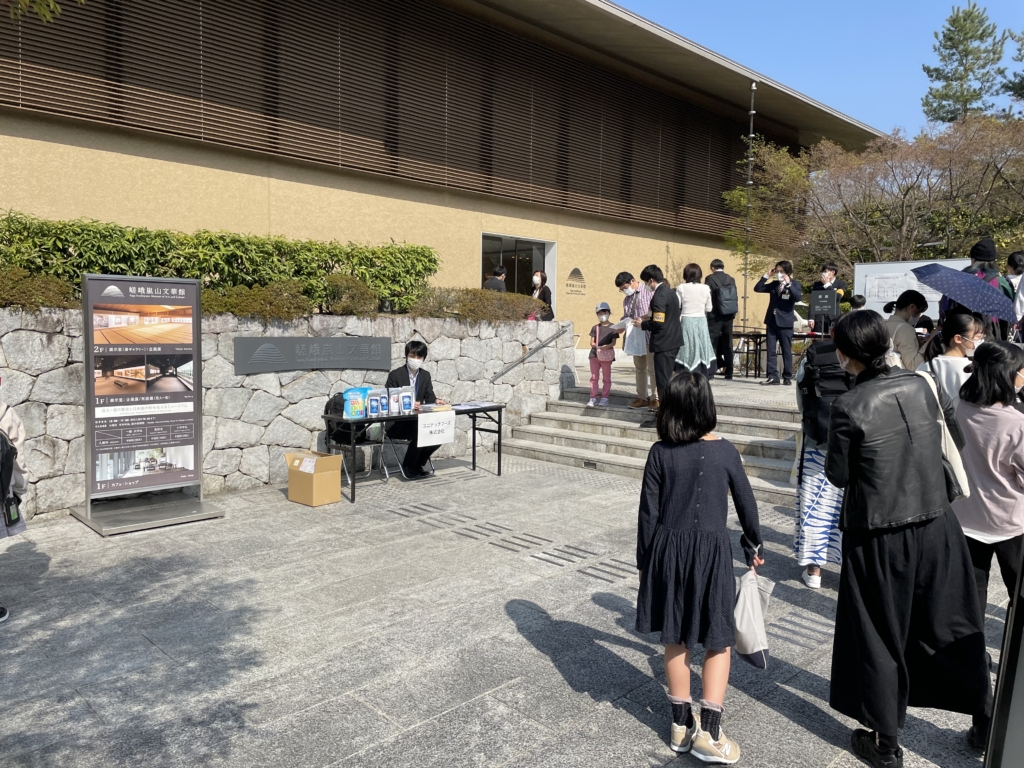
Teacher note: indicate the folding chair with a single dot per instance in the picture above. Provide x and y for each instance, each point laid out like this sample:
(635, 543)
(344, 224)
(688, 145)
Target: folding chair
(383, 466)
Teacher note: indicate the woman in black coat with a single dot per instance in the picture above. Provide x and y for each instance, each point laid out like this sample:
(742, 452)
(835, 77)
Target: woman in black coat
(543, 293)
(909, 630)
(684, 554)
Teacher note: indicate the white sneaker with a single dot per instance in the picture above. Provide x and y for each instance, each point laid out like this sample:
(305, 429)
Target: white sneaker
(813, 582)
(604, 402)
(592, 402)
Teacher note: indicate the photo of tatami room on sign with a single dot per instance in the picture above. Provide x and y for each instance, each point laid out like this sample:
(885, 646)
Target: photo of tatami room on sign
(119, 375)
(169, 373)
(141, 324)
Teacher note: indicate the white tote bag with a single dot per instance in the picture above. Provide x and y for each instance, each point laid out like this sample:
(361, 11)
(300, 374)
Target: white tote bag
(949, 450)
(636, 341)
(751, 605)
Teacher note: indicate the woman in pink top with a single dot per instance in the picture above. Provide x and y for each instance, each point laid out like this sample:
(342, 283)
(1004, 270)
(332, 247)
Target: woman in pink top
(993, 515)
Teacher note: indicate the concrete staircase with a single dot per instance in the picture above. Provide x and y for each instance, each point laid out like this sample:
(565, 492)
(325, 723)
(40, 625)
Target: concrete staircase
(611, 440)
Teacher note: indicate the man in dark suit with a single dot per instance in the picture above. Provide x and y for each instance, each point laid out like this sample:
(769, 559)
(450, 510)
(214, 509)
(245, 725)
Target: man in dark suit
(664, 326)
(783, 294)
(823, 323)
(412, 374)
(497, 280)
(723, 311)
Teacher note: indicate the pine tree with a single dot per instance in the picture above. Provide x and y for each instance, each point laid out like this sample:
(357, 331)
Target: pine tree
(1013, 84)
(969, 50)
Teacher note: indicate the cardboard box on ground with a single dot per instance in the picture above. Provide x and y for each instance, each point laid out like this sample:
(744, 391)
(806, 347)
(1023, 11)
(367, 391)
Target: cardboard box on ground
(314, 478)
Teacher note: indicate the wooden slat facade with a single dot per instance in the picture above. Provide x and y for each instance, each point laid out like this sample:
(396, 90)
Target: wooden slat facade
(403, 88)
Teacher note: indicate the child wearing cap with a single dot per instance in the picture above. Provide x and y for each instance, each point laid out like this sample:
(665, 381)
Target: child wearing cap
(602, 354)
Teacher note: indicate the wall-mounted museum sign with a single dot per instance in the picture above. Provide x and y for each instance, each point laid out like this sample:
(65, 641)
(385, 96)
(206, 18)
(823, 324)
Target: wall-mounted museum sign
(143, 399)
(261, 354)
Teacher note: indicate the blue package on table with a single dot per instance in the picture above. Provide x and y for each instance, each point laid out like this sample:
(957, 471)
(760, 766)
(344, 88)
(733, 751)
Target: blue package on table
(356, 402)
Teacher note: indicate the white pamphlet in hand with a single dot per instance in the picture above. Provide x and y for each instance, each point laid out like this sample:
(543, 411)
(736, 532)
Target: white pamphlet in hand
(621, 325)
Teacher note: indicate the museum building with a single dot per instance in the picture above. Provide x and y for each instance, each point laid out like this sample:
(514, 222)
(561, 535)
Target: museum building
(570, 136)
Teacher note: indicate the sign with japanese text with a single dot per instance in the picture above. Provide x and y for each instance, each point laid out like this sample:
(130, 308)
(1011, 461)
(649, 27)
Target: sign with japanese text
(256, 354)
(143, 384)
(435, 428)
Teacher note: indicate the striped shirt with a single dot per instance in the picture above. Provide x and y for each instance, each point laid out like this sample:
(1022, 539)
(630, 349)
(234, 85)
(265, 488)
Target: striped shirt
(638, 305)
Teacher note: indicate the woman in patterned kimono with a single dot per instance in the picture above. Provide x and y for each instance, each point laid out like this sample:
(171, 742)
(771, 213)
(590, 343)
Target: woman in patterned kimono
(818, 540)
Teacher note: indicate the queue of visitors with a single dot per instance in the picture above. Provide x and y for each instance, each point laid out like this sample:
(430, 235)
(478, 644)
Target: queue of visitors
(911, 479)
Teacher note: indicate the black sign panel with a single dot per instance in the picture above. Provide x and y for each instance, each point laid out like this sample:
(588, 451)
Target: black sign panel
(143, 384)
(824, 302)
(256, 354)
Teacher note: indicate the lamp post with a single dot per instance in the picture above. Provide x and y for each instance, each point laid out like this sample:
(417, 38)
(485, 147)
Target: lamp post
(750, 184)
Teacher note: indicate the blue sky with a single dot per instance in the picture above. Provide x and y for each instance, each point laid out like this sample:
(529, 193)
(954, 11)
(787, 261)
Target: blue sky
(863, 58)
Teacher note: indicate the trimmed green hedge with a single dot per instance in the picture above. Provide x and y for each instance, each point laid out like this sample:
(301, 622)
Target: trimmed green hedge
(396, 272)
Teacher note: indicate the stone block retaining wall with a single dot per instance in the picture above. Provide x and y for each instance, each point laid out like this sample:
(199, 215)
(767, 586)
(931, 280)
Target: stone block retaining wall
(250, 422)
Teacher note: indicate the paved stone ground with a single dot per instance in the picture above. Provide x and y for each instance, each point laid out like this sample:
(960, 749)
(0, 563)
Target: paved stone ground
(468, 620)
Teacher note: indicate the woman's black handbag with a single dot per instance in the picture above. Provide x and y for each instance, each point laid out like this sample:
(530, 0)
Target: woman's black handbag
(953, 489)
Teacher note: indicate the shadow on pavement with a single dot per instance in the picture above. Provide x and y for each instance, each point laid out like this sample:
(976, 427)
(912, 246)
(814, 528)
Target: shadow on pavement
(118, 658)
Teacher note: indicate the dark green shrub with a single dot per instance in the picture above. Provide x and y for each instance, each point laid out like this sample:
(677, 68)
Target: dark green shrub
(348, 295)
(282, 300)
(396, 272)
(476, 305)
(30, 292)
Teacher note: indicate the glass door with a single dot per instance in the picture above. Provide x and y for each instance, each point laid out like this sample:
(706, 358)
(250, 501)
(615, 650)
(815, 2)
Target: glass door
(520, 257)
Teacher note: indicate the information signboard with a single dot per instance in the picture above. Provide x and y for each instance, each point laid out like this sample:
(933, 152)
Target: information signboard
(436, 428)
(824, 303)
(143, 398)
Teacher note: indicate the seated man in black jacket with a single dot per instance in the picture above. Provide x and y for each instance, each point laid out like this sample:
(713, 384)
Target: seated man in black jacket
(412, 374)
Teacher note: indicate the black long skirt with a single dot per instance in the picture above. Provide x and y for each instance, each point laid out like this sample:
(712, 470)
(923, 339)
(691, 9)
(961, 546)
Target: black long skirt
(909, 630)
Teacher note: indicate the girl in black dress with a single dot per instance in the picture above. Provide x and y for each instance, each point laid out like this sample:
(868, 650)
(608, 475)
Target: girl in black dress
(684, 554)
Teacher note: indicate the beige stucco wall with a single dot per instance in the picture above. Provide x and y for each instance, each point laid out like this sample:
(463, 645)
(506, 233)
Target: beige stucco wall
(69, 169)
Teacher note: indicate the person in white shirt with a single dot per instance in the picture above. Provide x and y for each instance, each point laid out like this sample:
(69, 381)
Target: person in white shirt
(1015, 269)
(906, 311)
(696, 355)
(951, 350)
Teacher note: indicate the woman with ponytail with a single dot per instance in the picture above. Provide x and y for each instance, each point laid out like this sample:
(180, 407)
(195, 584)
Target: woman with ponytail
(993, 515)
(908, 625)
(950, 351)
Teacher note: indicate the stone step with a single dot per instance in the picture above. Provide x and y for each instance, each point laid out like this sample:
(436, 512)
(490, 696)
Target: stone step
(727, 406)
(756, 466)
(765, 489)
(736, 425)
(607, 428)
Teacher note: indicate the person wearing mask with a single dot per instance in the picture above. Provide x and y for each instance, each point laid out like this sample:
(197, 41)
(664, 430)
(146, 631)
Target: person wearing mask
(949, 353)
(663, 324)
(819, 381)
(829, 281)
(497, 280)
(541, 292)
(1015, 269)
(636, 305)
(783, 294)
(685, 558)
(857, 302)
(696, 354)
(908, 625)
(984, 257)
(14, 432)
(413, 375)
(901, 323)
(993, 455)
(724, 306)
(602, 355)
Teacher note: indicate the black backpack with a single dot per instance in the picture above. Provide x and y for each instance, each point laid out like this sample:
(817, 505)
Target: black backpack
(725, 300)
(824, 380)
(11, 503)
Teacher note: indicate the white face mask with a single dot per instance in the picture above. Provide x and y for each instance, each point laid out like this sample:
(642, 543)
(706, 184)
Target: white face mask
(780, 275)
(843, 361)
(536, 279)
(603, 317)
(969, 351)
(826, 278)
(1021, 377)
(414, 363)
(628, 291)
